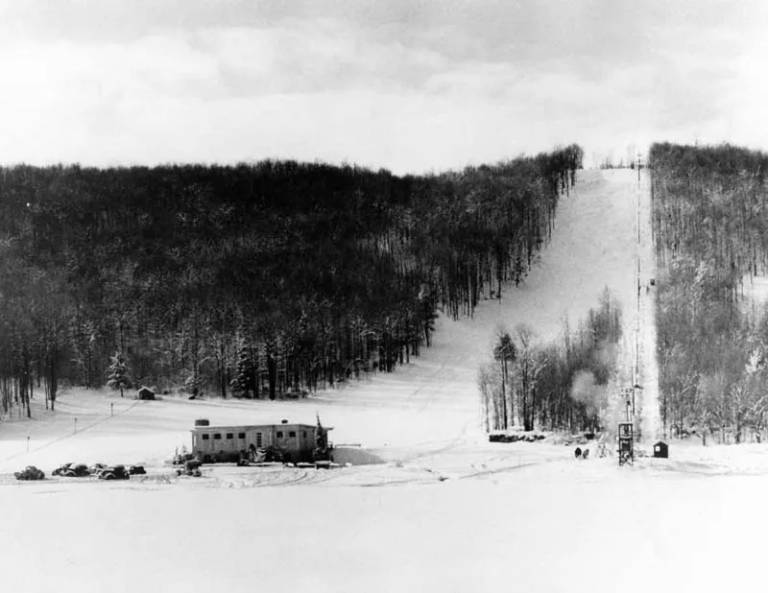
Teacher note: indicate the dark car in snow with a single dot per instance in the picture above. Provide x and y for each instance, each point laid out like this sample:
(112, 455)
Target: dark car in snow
(69, 470)
(30, 473)
(115, 472)
(96, 468)
(191, 468)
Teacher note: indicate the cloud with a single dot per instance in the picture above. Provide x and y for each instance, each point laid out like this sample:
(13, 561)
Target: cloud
(411, 86)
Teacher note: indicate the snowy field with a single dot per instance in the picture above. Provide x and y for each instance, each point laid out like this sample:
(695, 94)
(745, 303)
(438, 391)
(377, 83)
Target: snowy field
(443, 510)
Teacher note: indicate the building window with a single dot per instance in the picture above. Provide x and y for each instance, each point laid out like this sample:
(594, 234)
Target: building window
(230, 435)
(217, 436)
(279, 434)
(206, 437)
(258, 439)
(240, 435)
(292, 434)
(304, 434)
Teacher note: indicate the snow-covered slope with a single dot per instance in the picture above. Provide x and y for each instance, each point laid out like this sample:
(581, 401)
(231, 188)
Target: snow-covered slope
(427, 404)
(447, 512)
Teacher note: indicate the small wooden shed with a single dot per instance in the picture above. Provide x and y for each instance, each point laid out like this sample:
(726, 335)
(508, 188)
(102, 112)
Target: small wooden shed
(661, 449)
(145, 393)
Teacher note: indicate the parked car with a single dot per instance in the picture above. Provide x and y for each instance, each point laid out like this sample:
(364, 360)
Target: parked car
(30, 473)
(97, 468)
(191, 468)
(68, 470)
(61, 469)
(136, 470)
(116, 472)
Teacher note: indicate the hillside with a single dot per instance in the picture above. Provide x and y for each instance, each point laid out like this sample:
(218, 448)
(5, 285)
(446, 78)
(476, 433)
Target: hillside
(424, 405)
(710, 212)
(255, 281)
(452, 512)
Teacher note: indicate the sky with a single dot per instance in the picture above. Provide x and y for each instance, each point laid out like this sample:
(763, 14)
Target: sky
(408, 85)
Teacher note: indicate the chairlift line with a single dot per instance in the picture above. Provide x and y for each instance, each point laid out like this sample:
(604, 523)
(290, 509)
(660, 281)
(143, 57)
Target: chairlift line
(626, 434)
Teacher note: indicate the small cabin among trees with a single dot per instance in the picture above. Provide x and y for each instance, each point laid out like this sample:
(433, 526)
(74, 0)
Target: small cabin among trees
(145, 393)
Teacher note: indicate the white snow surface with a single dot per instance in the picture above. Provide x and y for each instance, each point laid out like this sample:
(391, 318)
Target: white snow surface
(444, 510)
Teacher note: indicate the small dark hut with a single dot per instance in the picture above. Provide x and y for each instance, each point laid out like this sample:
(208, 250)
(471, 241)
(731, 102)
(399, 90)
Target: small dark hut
(661, 449)
(145, 393)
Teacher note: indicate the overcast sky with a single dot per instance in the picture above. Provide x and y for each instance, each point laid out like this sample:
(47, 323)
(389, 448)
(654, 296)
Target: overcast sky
(407, 85)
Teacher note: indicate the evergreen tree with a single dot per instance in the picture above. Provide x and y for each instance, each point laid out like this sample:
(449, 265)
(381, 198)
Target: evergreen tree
(117, 373)
(244, 384)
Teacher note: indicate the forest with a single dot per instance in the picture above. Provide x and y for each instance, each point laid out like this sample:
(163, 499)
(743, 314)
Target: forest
(710, 223)
(261, 280)
(557, 386)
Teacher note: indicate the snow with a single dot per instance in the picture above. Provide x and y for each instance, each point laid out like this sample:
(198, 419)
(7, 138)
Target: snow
(561, 526)
(755, 292)
(647, 373)
(443, 510)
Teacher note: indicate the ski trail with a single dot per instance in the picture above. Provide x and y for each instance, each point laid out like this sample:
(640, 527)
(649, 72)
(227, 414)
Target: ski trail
(647, 373)
(638, 368)
(637, 373)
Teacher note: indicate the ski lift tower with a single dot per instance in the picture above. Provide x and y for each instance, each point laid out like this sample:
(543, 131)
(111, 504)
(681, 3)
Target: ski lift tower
(626, 432)
(628, 394)
(626, 443)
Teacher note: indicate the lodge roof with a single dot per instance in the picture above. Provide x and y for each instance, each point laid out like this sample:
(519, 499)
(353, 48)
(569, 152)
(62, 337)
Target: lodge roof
(258, 426)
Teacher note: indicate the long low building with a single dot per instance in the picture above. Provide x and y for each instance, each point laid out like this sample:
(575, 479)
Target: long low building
(295, 442)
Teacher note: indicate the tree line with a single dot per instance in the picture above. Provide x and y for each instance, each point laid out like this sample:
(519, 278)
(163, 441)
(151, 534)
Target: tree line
(561, 385)
(259, 280)
(710, 223)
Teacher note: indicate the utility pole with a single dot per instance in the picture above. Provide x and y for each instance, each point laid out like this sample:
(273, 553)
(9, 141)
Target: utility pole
(629, 403)
(626, 428)
(638, 283)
